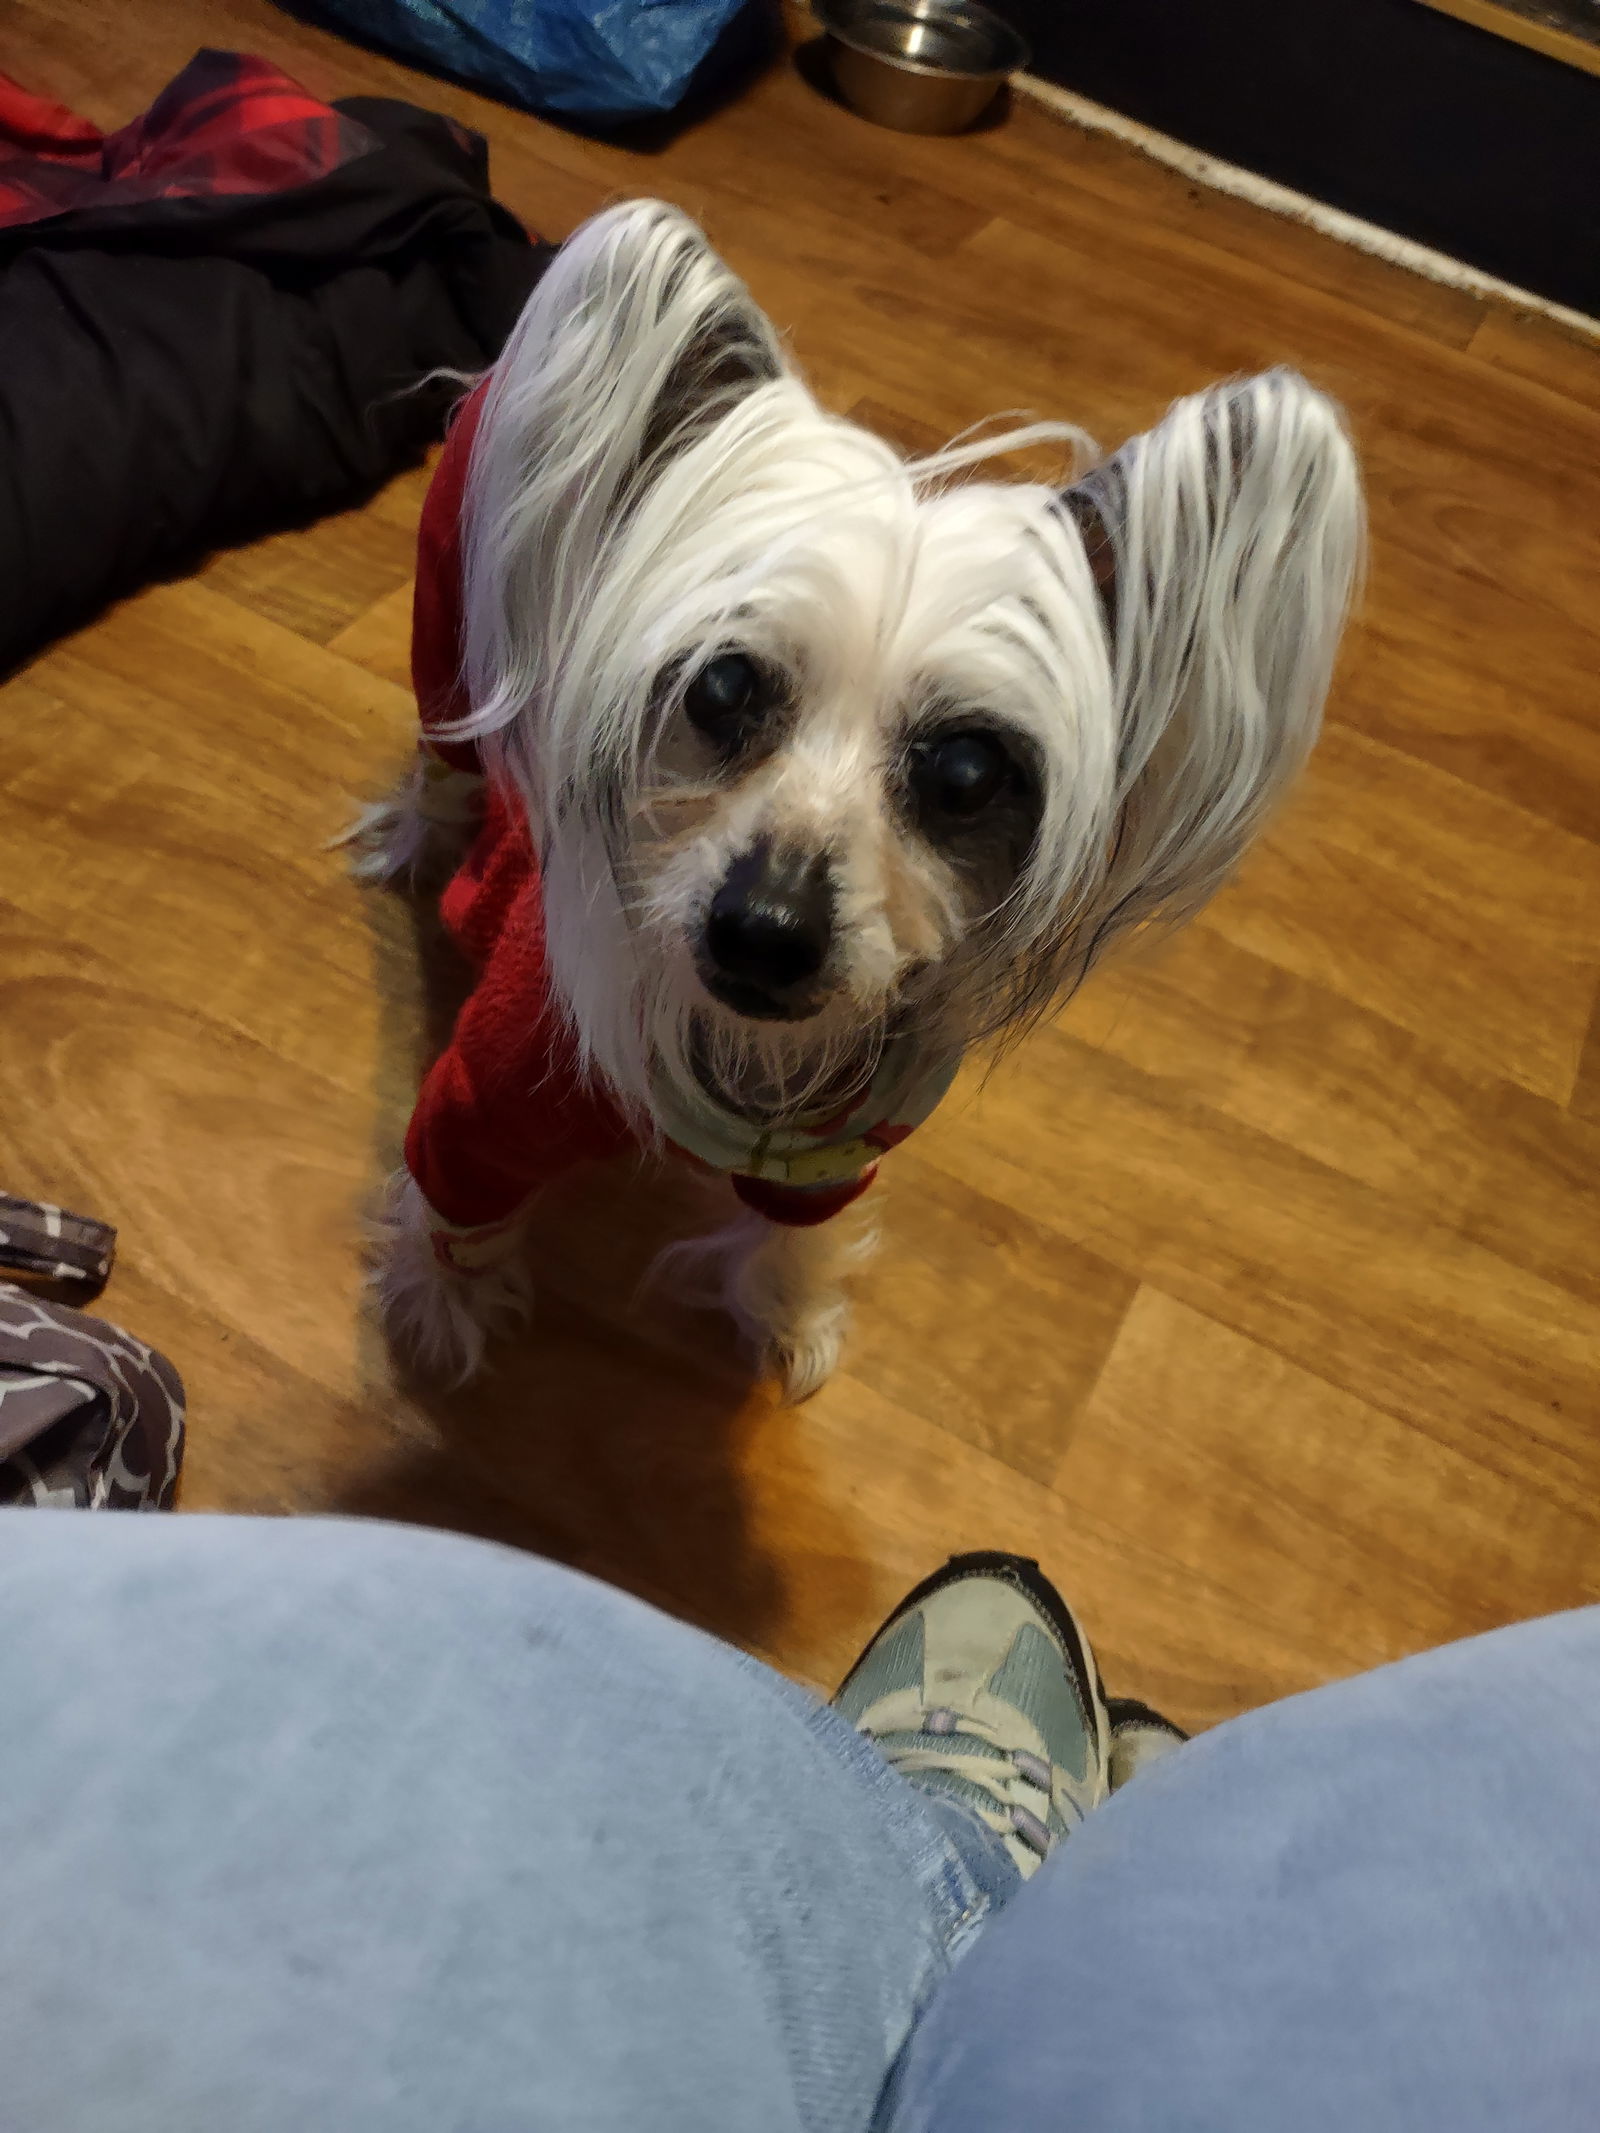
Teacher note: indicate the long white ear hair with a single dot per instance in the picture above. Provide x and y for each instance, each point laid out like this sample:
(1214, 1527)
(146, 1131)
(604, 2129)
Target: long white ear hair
(636, 338)
(637, 343)
(1227, 543)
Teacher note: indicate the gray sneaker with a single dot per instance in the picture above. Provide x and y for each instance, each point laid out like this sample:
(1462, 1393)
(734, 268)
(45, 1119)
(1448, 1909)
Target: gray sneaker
(981, 1688)
(1140, 1738)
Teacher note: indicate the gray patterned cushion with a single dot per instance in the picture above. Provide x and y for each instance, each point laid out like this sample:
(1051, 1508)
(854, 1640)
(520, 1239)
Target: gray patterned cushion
(90, 1418)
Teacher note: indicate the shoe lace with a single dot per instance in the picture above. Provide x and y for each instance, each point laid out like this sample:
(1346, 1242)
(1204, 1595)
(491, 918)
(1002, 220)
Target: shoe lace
(993, 1773)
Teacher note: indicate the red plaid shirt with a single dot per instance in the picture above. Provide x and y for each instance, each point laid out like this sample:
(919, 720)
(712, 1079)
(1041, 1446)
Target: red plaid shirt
(227, 124)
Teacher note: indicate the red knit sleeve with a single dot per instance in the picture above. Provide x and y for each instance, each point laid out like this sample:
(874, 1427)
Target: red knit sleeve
(507, 1107)
(436, 617)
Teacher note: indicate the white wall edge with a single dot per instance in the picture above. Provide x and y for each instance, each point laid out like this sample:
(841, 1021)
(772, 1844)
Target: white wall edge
(1332, 222)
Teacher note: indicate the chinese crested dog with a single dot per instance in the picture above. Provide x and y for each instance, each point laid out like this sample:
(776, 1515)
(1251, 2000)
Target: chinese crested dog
(770, 772)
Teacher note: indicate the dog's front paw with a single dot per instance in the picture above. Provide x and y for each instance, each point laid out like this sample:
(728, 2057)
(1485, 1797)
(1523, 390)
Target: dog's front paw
(783, 1289)
(804, 1355)
(441, 1316)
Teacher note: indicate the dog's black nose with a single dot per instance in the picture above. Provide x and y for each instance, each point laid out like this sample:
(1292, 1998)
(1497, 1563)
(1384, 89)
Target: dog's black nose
(769, 928)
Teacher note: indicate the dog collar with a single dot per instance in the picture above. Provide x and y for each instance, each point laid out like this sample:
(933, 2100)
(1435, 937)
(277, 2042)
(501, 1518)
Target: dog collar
(834, 1151)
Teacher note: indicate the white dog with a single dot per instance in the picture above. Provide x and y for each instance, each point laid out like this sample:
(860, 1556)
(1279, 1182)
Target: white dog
(786, 771)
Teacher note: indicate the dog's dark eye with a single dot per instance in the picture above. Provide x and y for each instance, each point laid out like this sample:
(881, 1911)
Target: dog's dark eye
(956, 776)
(726, 699)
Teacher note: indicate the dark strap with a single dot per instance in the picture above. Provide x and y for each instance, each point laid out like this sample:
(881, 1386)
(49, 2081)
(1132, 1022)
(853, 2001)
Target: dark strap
(36, 1238)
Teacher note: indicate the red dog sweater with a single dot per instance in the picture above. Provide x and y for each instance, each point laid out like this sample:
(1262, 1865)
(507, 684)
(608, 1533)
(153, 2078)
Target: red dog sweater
(508, 1104)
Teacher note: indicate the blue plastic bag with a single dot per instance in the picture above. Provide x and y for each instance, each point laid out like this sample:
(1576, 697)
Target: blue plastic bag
(600, 60)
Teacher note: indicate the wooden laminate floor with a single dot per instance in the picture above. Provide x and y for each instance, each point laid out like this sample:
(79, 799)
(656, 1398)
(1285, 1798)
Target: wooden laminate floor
(1259, 1296)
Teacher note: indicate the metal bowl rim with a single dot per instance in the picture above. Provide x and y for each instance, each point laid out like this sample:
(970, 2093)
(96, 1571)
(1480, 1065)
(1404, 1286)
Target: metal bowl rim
(834, 16)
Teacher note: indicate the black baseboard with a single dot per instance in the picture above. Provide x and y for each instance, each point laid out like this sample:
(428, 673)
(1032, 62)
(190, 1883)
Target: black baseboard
(1385, 108)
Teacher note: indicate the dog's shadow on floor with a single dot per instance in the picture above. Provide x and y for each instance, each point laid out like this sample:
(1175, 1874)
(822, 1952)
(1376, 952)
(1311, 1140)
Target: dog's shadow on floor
(614, 1431)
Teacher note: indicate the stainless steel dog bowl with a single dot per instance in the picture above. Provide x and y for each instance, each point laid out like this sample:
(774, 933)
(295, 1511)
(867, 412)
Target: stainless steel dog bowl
(922, 66)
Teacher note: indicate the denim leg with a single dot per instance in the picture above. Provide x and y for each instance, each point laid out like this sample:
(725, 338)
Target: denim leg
(1374, 1907)
(965, 1870)
(317, 1824)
